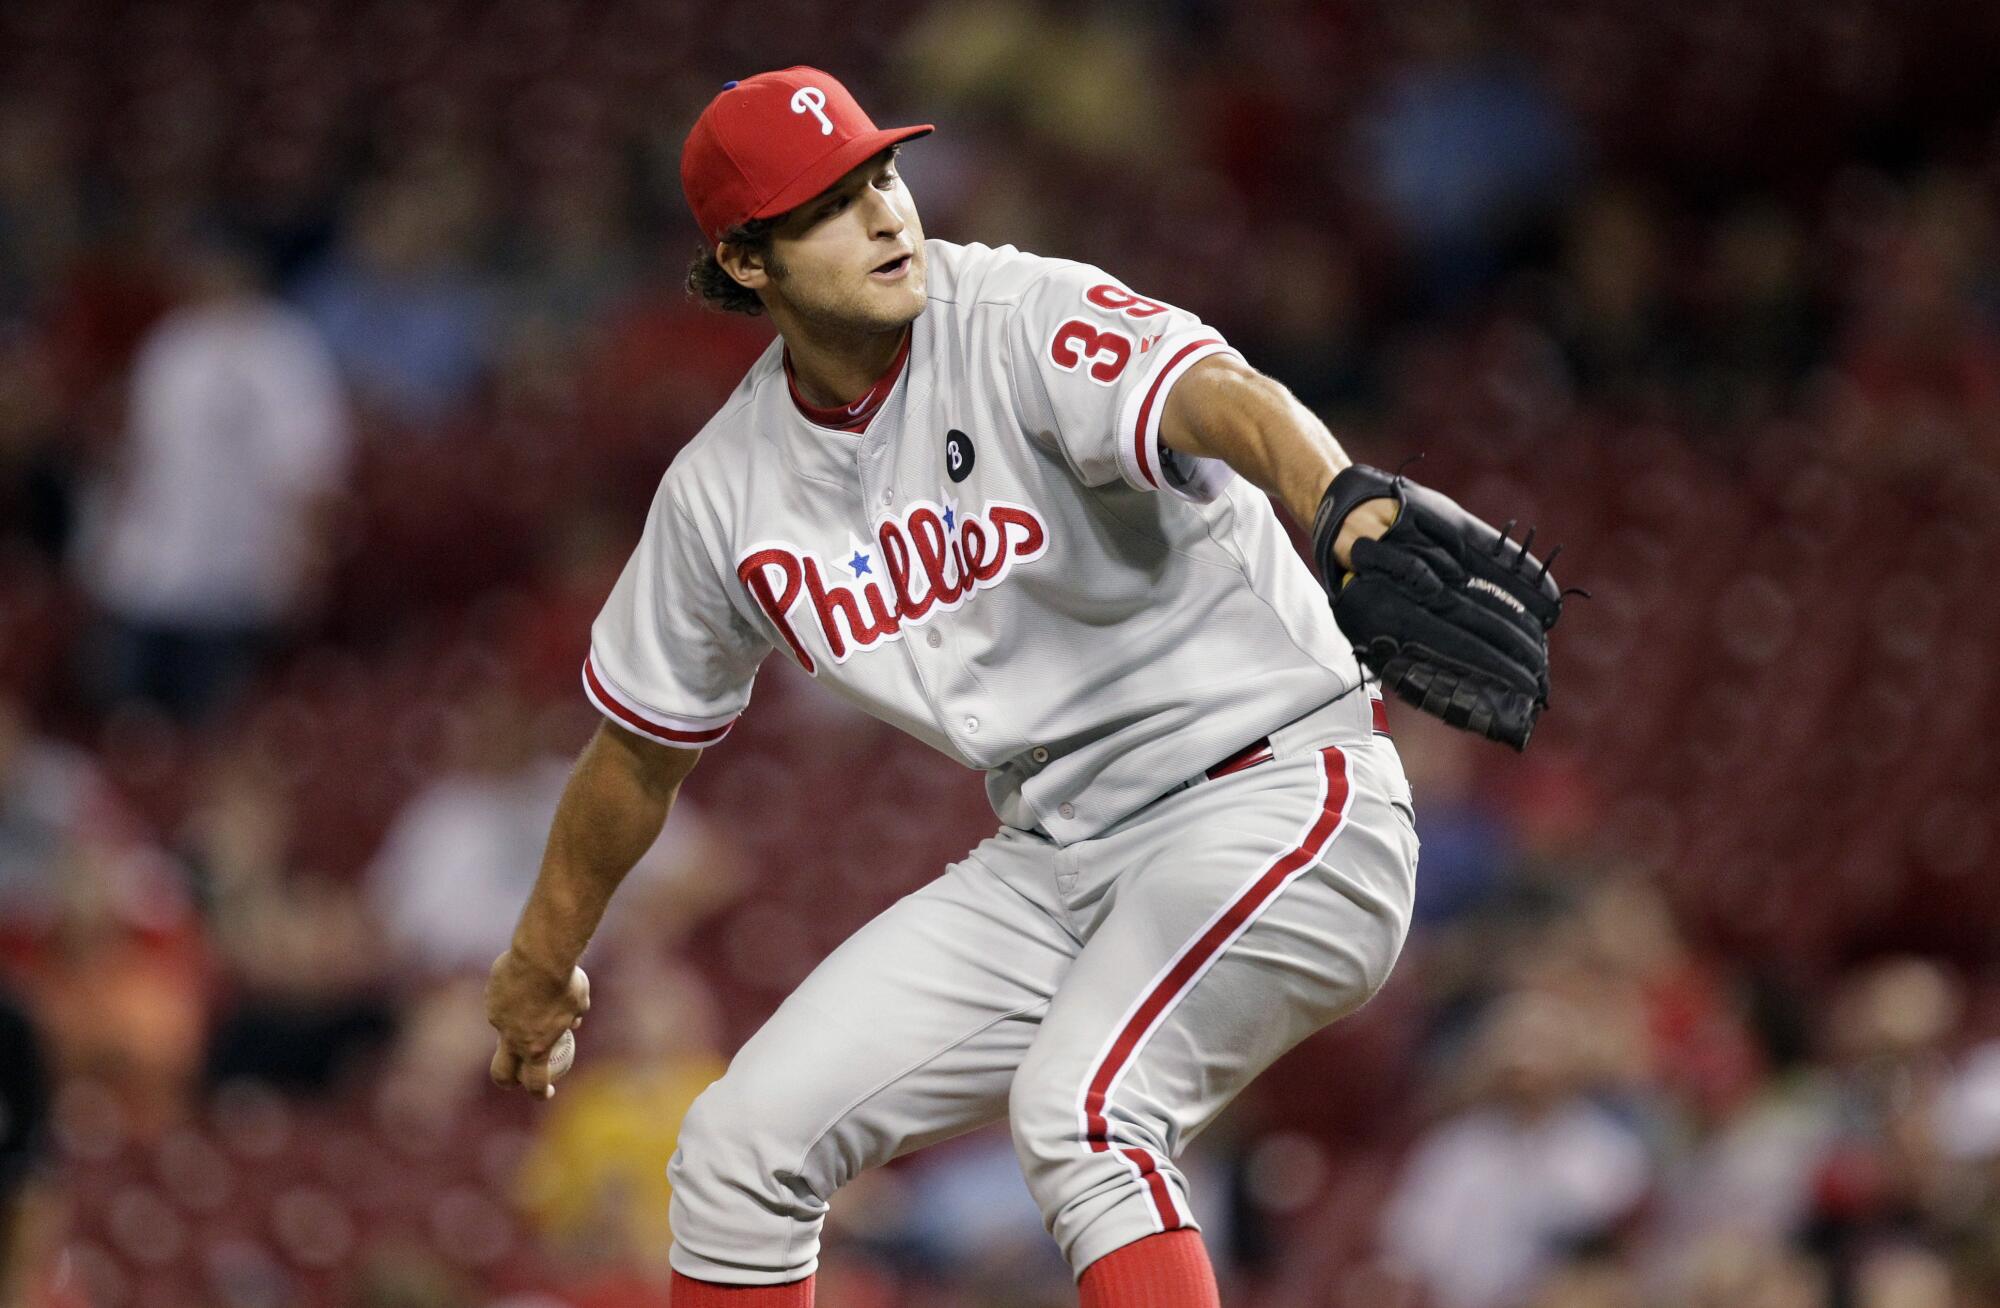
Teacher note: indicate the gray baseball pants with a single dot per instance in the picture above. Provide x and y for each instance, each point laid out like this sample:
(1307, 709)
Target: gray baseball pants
(1108, 999)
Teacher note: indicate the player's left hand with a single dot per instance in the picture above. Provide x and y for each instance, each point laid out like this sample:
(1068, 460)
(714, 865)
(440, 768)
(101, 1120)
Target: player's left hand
(1368, 520)
(531, 1009)
(1450, 613)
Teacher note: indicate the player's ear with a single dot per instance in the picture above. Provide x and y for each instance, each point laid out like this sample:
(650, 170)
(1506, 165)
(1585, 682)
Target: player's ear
(745, 266)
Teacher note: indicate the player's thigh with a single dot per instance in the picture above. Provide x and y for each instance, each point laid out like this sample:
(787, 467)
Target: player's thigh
(906, 1034)
(1252, 911)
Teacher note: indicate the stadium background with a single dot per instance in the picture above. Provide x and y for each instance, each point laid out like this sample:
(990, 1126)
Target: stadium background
(1696, 1011)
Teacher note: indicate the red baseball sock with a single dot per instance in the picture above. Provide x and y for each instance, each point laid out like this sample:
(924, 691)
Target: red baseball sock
(1161, 1271)
(690, 1293)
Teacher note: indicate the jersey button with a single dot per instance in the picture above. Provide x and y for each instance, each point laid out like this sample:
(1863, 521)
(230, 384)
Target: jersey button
(1039, 754)
(971, 725)
(1067, 810)
(888, 497)
(933, 639)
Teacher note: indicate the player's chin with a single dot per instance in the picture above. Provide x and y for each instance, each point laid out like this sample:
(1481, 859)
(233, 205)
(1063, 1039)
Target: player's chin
(896, 304)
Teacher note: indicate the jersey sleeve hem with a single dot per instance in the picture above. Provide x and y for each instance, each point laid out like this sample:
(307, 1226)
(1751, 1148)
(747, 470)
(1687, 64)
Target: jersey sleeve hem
(667, 728)
(1138, 441)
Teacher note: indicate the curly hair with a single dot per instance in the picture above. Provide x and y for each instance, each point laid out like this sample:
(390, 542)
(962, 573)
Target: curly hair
(710, 282)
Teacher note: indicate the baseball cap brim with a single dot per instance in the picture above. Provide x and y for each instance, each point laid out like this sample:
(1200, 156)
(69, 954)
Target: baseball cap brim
(830, 168)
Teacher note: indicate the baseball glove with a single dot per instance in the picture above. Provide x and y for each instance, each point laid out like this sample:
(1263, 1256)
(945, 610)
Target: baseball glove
(1451, 614)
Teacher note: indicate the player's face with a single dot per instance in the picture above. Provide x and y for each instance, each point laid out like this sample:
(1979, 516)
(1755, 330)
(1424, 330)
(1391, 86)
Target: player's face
(853, 258)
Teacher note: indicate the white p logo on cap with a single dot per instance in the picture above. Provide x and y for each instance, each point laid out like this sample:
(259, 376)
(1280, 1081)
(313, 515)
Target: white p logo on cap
(812, 100)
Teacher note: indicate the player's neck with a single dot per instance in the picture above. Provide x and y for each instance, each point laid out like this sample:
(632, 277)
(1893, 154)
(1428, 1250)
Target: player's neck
(834, 370)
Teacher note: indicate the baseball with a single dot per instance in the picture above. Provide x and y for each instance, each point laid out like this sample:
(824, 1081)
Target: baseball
(562, 1055)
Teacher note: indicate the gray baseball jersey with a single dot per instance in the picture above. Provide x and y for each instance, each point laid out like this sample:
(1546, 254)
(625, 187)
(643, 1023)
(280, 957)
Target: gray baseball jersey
(1205, 851)
(1006, 564)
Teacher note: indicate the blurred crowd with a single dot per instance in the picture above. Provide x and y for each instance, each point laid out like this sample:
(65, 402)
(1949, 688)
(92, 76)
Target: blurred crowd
(341, 348)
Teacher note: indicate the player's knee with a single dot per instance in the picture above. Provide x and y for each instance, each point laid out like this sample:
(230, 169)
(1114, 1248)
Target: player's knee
(706, 1156)
(1032, 1124)
(735, 1167)
(1042, 1131)
(1057, 1142)
(1098, 1180)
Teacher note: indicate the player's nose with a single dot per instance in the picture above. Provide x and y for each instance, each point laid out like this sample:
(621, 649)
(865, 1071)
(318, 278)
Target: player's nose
(883, 219)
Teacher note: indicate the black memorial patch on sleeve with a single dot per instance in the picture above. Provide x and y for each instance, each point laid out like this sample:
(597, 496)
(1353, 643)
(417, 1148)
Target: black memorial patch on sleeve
(958, 455)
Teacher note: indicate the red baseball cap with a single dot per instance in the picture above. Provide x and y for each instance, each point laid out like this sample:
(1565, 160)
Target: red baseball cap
(771, 142)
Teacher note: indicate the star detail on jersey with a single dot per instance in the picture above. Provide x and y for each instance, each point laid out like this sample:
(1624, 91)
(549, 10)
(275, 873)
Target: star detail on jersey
(934, 559)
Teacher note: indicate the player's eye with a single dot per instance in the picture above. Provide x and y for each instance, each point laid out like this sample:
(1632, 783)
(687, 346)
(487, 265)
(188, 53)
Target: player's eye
(887, 180)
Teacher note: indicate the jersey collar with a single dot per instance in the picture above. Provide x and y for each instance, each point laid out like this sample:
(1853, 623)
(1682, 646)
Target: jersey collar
(853, 417)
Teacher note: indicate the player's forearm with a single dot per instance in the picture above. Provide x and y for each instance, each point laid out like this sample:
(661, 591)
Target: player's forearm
(1224, 409)
(612, 810)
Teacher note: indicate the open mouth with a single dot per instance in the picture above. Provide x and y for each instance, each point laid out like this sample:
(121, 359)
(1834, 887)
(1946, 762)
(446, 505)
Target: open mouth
(893, 269)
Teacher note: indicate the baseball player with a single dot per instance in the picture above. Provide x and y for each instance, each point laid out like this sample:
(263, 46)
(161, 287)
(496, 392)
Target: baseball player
(1023, 513)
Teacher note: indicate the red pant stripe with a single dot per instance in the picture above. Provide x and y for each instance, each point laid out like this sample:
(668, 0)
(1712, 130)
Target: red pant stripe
(1195, 959)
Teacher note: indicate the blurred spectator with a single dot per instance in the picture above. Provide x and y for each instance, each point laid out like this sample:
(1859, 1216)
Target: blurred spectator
(1658, 1010)
(570, 261)
(458, 863)
(1304, 322)
(1468, 841)
(1968, 1116)
(1907, 1277)
(97, 924)
(412, 326)
(1492, 1196)
(1761, 328)
(1589, 1283)
(1750, 1159)
(1882, 1172)
(1744, 1272)
(1618, 332)
(1464, 145)
(210, 539)
(1075, 76)
(306, 997)
(462, 855)
(72, 855)
(1922, 356)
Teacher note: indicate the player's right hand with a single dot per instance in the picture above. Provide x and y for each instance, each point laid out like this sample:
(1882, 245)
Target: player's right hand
(531, 1008)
